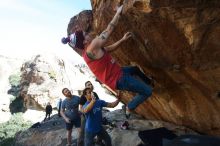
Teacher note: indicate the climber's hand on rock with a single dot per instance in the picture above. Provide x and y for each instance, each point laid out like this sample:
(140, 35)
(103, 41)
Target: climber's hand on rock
(126, 36)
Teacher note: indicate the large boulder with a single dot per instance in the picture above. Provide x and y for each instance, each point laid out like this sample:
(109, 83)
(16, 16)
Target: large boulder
(43, 78)
(177, 42)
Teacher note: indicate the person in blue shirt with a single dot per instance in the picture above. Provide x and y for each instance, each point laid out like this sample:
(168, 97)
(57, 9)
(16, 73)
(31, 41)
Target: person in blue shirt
(70, 113)
(83, 100)
(93, 111)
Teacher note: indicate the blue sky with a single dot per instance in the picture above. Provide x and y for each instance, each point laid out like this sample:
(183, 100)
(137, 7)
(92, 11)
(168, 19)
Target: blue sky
(33, 26)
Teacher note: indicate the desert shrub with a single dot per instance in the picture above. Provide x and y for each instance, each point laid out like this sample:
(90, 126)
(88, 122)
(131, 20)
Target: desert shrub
(11, 127)
(52, 74)
(15, 79)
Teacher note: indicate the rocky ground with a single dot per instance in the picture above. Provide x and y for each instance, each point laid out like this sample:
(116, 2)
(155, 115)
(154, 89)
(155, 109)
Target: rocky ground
(53, 133)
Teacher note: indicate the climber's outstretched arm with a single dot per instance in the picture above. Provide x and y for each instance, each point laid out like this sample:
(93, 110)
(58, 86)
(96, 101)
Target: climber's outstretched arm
(100, 41)
(118, 43)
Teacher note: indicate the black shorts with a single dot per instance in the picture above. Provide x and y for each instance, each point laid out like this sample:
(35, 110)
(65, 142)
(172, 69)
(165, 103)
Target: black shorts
(76, 123)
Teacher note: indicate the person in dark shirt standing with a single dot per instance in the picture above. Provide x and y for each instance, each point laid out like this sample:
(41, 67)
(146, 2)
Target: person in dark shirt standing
(83, 100)
(48, 111)
(70, 113)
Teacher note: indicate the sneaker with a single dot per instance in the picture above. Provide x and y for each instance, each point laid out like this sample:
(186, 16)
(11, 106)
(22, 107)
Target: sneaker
(131, 113)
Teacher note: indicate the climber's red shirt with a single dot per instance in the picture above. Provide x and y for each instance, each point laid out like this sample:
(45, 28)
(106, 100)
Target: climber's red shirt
(105, 69)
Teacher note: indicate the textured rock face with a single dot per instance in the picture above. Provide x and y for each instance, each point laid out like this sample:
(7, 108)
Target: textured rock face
(176, 41)
(43, 79)
(81, 21)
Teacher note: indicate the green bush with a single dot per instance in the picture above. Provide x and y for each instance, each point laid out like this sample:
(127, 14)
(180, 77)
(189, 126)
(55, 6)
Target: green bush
(15, 79)
(10, 128)
(52, 75)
